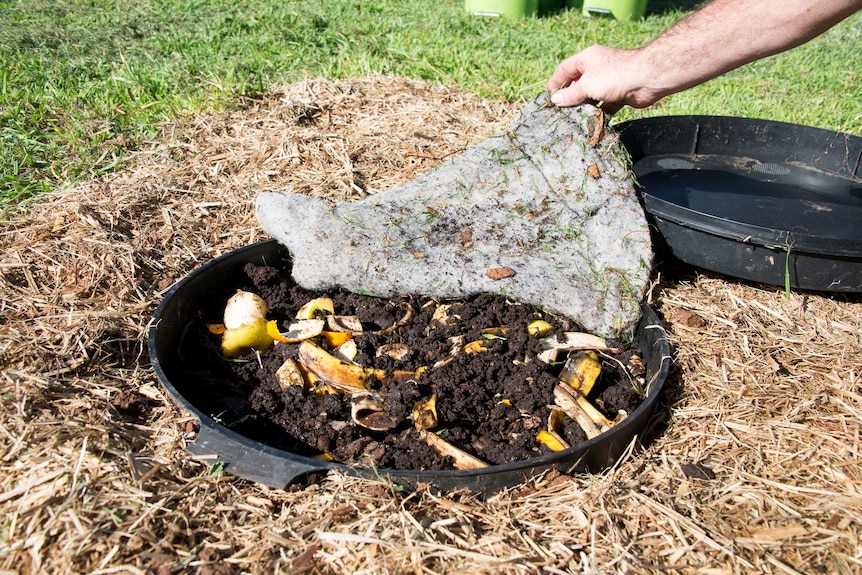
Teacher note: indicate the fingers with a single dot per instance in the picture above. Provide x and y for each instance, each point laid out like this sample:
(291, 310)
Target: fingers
(593, 76)
(568, 71)
(564, 83)
(575, 96)
(572, 95)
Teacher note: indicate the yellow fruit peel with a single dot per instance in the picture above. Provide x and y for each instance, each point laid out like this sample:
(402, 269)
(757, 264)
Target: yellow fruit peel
(425, 414)
(539, 328)
(336, 338)
(475, 347)
(245, 338)
(315, 307)
(339, 374)
(581, 371)
(551, 440)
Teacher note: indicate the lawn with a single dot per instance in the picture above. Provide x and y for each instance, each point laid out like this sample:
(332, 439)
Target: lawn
(82, 83)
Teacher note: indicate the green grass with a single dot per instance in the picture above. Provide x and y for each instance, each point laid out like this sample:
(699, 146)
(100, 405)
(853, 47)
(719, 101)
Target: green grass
(82, 82)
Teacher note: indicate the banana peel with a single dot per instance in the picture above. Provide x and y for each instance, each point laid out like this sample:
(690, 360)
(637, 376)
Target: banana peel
(457, 344)
(425, 414)
(424, 418)
(396, 351)
(313, 381)
(496, 330)
(348, 350)
(581, 371)
(551, 437)
(460, 459)
(551, 440)
(539, 328)
(289, 375)
(475, 347)
(441, 315)
(299, 331)
(585, 414)
(339, 374)
(571, 341)
(371, 413)
(346, 323)
(402, 375)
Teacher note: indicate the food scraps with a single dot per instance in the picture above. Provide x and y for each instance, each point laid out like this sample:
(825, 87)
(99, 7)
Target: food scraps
(323, 361)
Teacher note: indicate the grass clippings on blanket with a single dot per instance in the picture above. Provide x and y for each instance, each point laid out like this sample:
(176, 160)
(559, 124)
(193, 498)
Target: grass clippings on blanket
(756, 465)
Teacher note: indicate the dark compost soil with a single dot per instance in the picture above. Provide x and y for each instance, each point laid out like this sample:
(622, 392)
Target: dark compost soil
(490, 404)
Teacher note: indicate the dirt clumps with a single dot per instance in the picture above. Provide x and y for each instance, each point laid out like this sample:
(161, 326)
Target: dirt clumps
(474, 356)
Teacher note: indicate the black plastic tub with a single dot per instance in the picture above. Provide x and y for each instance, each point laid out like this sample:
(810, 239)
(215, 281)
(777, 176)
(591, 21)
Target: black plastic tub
(765, 201)
(253, 460)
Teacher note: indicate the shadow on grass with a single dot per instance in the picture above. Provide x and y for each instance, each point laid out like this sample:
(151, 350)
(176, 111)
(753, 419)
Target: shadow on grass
(662, 7)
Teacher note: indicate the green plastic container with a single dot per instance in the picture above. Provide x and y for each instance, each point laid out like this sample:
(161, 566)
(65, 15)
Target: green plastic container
(502, 8)
(619, 9)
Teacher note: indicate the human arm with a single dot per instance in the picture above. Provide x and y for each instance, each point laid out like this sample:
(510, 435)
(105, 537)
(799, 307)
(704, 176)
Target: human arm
(719, 37)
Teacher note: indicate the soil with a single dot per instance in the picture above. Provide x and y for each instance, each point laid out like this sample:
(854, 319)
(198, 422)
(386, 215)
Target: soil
(490, 404)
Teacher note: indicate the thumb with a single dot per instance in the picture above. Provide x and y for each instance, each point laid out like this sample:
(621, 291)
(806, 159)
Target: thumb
(572, 95)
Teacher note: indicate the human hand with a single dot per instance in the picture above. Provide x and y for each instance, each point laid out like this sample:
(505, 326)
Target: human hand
(599, 74)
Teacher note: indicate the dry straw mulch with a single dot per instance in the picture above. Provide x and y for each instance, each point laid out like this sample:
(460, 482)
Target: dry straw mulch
(755, 467)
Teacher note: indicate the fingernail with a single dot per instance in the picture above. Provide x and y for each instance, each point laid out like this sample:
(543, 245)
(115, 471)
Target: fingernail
(556, 98)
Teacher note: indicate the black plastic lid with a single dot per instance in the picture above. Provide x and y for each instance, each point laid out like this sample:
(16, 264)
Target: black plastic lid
(784, 187)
